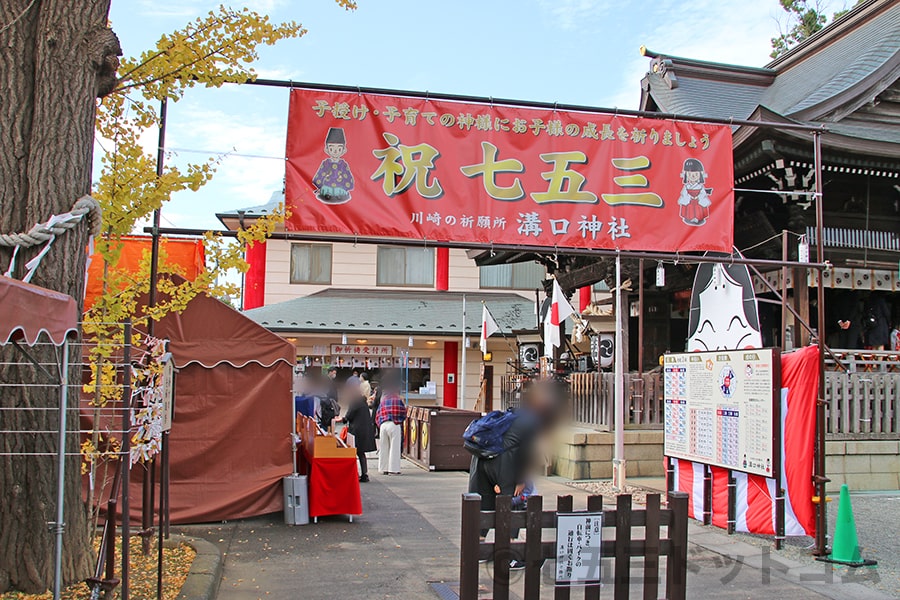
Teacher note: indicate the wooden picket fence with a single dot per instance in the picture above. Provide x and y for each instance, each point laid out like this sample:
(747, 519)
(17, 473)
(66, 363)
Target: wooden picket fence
(862, 404)
(622, 548)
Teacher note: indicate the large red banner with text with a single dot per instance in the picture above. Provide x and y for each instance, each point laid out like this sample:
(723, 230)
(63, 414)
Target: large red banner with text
(388, 166)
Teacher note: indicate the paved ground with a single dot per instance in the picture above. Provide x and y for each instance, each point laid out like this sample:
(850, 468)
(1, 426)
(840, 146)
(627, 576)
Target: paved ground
(878, 527)
(409, 537)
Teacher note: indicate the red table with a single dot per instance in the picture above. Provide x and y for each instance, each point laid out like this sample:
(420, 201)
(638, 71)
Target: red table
(333, 487)
(331, 467)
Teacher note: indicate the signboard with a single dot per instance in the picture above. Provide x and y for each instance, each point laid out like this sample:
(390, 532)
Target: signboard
(387, 166)
(723, 408)
(167, 390)
(361, 350)
(578, 537)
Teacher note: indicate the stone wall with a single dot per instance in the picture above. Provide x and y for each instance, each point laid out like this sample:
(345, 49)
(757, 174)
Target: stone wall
(864, 465)
(586, 454)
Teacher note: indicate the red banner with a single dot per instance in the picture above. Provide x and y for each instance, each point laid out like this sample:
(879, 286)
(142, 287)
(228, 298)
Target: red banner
(386, 166)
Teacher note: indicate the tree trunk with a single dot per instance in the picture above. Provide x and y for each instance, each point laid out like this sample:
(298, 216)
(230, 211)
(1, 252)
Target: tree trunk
(56, 58)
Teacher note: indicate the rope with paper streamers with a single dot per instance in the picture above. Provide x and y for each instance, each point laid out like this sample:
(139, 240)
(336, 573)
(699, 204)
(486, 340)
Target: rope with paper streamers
(45, 233)
(57, 225)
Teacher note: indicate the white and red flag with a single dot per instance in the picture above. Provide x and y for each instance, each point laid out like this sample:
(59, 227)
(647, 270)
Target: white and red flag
(560, 310)
(488, 326)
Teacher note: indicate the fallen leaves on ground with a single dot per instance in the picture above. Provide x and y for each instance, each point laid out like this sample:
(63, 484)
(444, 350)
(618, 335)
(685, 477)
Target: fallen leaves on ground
(142, 574)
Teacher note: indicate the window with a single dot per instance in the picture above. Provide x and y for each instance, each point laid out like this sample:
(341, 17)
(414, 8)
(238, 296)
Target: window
(310, 263)
(515, 276)
(405, 266)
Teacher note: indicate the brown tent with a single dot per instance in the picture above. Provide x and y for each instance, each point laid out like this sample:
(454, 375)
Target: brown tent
(230, 438)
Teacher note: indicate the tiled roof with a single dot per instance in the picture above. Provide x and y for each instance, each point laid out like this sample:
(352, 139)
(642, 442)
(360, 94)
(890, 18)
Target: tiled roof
(229, 217)
(394, 312)
(826, 78)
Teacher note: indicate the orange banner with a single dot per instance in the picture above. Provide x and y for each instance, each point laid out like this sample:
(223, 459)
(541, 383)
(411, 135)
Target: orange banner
(387, 166)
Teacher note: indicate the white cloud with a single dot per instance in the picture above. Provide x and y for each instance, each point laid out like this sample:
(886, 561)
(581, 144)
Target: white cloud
(575, 14)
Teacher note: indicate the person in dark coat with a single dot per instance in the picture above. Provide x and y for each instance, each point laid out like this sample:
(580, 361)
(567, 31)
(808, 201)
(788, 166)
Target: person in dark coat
(878, 321)
(848, 317)
(359, 423)
(508, 473)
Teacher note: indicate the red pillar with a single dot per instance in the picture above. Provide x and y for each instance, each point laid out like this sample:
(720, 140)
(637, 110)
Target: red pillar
(584, 298)
(451, 349)
(255, 277)
(442, 275)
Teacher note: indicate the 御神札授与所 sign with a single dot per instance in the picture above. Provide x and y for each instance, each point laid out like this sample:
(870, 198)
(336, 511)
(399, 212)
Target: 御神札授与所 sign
(377, 166)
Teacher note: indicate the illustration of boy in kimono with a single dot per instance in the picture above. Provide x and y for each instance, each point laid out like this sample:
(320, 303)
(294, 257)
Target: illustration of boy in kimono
(333, 180)
(693, 202)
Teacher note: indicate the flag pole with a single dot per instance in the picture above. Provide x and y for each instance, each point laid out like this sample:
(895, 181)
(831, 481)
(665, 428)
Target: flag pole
(499, 328)
(462, 375)
(619, 391)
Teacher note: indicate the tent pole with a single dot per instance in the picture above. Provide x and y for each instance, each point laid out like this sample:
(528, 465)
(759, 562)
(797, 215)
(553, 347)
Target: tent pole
(462, 374)
(59, 526)
(619, 391)
(819, 477)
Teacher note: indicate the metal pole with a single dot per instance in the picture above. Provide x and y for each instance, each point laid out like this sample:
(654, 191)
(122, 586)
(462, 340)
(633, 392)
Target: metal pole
(149, 476)
(784, 290)
(619, 390)
(566, 251)
(820, 477)
(59, 526)
(462, 376)
(532, 104)
(640, 345)
(126, 460)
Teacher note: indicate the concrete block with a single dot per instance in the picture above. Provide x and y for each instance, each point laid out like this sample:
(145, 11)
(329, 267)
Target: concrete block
(597, 452)
(834, 486)
(835, 448)
(600, 470)
(599, 437)
(860, 482)
(651, 437)
(644, 452)
(835, 464)
(858, 463)
(884, 463)
(873, 447)
(578, 438)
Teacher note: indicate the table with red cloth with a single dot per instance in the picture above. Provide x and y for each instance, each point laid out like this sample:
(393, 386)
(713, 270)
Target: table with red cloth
(333, 479)
(333, 487)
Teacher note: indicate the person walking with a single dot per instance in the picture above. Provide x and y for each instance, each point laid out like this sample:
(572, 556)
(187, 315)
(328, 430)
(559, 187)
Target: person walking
(389, 420)
(509, 472)
(359, 424)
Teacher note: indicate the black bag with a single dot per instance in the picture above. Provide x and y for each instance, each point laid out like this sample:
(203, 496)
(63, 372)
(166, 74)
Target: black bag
(328, 410)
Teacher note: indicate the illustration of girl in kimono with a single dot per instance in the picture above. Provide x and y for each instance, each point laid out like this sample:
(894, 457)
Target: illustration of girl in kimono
(693, 202)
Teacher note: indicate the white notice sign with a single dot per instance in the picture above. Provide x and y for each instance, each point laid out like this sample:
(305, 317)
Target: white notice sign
(578, 538)
(722, 408)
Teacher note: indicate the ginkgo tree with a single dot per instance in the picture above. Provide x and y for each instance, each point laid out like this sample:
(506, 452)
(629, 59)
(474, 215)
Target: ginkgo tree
(48, 121)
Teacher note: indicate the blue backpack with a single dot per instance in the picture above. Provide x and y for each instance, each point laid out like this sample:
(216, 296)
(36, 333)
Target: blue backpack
(484, 436)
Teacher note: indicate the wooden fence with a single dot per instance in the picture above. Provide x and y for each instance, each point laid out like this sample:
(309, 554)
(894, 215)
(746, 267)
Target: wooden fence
(860, 405)
(863, 405)
(622, 548)
(592, 399)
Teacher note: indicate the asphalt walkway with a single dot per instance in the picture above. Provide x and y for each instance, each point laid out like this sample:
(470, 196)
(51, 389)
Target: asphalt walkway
(408, 538)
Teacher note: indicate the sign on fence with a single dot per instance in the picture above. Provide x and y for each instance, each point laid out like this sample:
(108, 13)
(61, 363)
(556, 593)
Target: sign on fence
(578, 537)
(372, 165)
(723, 408)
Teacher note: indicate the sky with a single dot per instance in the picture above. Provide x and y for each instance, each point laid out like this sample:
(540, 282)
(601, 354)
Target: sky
(568, 51)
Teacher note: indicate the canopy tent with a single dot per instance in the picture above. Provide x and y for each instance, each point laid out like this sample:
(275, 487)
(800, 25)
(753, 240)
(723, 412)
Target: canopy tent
(26, 312)
(229, 445)
(184, 256)
(29, 310)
